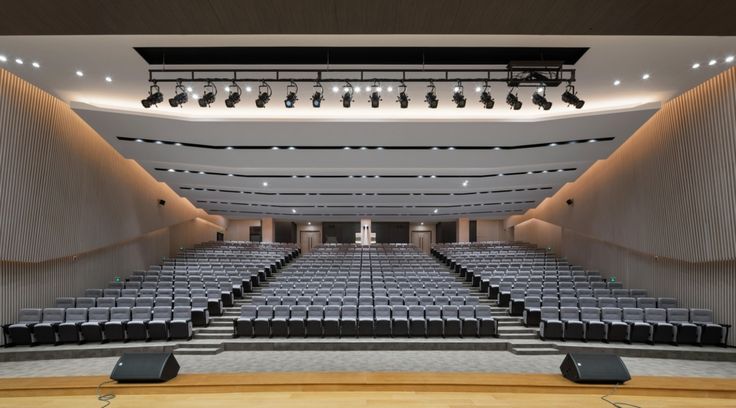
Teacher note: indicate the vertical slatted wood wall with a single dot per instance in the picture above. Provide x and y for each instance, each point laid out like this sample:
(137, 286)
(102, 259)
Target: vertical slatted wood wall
(660, 212)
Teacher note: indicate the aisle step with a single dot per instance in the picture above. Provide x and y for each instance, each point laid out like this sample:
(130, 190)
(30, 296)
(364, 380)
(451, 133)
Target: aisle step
(538, 351)
(199, 351)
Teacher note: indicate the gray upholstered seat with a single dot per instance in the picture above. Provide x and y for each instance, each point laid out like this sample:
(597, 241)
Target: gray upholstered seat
(616, 328)
(65, 302)
(641, 331)
(710, 332)
(348, 321)
(595, 329)
(685, 332)
(417, 322)
(574, 328)
(452, 323)
(435, 324)
(158, 327)
(92, 330)
(137, 326)
(69, 330)
(297, 321)
(663, 332)
(244, 322)
(487, 325)
(200, 311)
(115, 327)
(365, 320)
(45, 332)
(315, 315)
(180, 327)
(550, 326)
(399, 321)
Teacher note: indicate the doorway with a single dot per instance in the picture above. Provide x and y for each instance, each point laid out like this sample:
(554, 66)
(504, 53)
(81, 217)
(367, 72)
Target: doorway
(309, 240)
(422, 240)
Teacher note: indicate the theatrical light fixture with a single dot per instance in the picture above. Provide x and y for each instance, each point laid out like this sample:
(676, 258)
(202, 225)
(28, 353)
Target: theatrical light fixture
(347, 97)
(291, 91)
(458, 96)
(108, 79)
(570, 97)
(3, 58)
(234, 95)
(513, 101)
(264, 94)
(180, 96)
(36, 64)
(539, 100)
(485, 97)
(208, 96)
(431, 97)
(318, 96)
(375, 98)
(403, 98)
(154, 97)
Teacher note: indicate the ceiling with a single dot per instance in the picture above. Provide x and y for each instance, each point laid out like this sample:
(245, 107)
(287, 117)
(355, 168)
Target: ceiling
(511, 159)
(561, 17)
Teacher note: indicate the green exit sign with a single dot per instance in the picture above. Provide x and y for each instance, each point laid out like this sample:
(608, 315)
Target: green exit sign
(117, 279)
(613, 279)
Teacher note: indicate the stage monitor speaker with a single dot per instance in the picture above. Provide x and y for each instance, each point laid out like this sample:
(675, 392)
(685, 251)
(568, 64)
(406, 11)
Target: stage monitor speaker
(145, 367)
(594, 368)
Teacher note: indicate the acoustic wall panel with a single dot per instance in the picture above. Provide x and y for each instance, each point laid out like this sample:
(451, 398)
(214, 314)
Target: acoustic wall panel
(659, 212)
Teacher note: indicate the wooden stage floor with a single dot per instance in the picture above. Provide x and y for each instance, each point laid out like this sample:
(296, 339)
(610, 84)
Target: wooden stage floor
(367, 389)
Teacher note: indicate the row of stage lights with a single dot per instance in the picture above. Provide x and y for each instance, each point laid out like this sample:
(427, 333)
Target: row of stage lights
(265, 92)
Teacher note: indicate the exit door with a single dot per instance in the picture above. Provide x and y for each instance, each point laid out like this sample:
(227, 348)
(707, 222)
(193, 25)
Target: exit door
(309, 240)
(422, 240)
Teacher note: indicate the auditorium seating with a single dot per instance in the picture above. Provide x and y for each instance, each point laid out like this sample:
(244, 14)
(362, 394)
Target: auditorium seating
(163, 302)
(377, 291)
(568, 303)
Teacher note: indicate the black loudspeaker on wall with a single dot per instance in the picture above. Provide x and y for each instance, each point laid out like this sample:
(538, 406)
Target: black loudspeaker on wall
(145, 367)
(594, 368)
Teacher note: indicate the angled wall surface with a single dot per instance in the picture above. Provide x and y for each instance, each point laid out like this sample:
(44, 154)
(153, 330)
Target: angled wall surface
(659, 212)
(73, 212)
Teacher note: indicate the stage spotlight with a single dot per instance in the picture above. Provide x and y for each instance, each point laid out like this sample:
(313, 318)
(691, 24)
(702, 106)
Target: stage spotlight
(431, 97)
(291, 91)
(513, 101)
(485, 97)
(403, 98)
(234, 97)
(347, 97)
(570, 97)
(154, 97)
(264, 94)
(208, 96)
(318, 96)
(180, 96)
(539, 100)
(375, 94)
(458, 97)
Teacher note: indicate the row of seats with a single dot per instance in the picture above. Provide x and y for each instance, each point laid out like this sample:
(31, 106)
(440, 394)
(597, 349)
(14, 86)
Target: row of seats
(650, 325)
(73, 325)
(373, 292)
(202, 307)
(365, 321)
(519, 305)
(366, 300)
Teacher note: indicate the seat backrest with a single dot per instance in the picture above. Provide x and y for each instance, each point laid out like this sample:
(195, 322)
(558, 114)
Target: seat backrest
(199, 302)
(677, 315)
(655, 315)
(349, 312)
(466, 312)
(350, 301)
(98, 314)
(416, 312)
(249, 311)
(182, 301)
(315, 312)
(365, 312)
(399, 312)
(382, 312)
(457, 300)
(633, 314)
(119, 313)
(442, 300)
(532, 301)
(587, 302)
(288, 301)
(449, 312)
(568, 302)
(319, 301)
(611, 314)
(607, 302)
(623, 302)
(411, 301)
(426, 300)
(164, 301)
(76, 314)
(701, 316)
(620, 292)
(95, 293)
(332, 312)
(569, 313)
(334, 301)
(549, 313)
(182, 313)
(111, 293)
(265, 311)
(380, 301)
(141, 313)
(590, 313)
(65, 302)
(483, 312)
(129, 293)
(144, 301)
(87, 302)
(162, 313)
(433, 312)
(646, 302)
(53, 314)
(638, 292)
(298, 312)
(666, 303)
(126, 301)
(106, 302)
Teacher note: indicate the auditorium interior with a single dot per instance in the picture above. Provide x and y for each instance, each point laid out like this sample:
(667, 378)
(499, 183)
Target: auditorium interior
(368, 203)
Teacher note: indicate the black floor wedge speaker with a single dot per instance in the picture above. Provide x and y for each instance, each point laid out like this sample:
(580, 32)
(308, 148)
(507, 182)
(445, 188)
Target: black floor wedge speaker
(145, 367)
(594, 368)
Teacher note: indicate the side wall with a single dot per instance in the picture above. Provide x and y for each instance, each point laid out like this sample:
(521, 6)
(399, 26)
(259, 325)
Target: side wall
(239, 230)
(74, 213)
(659, 212)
